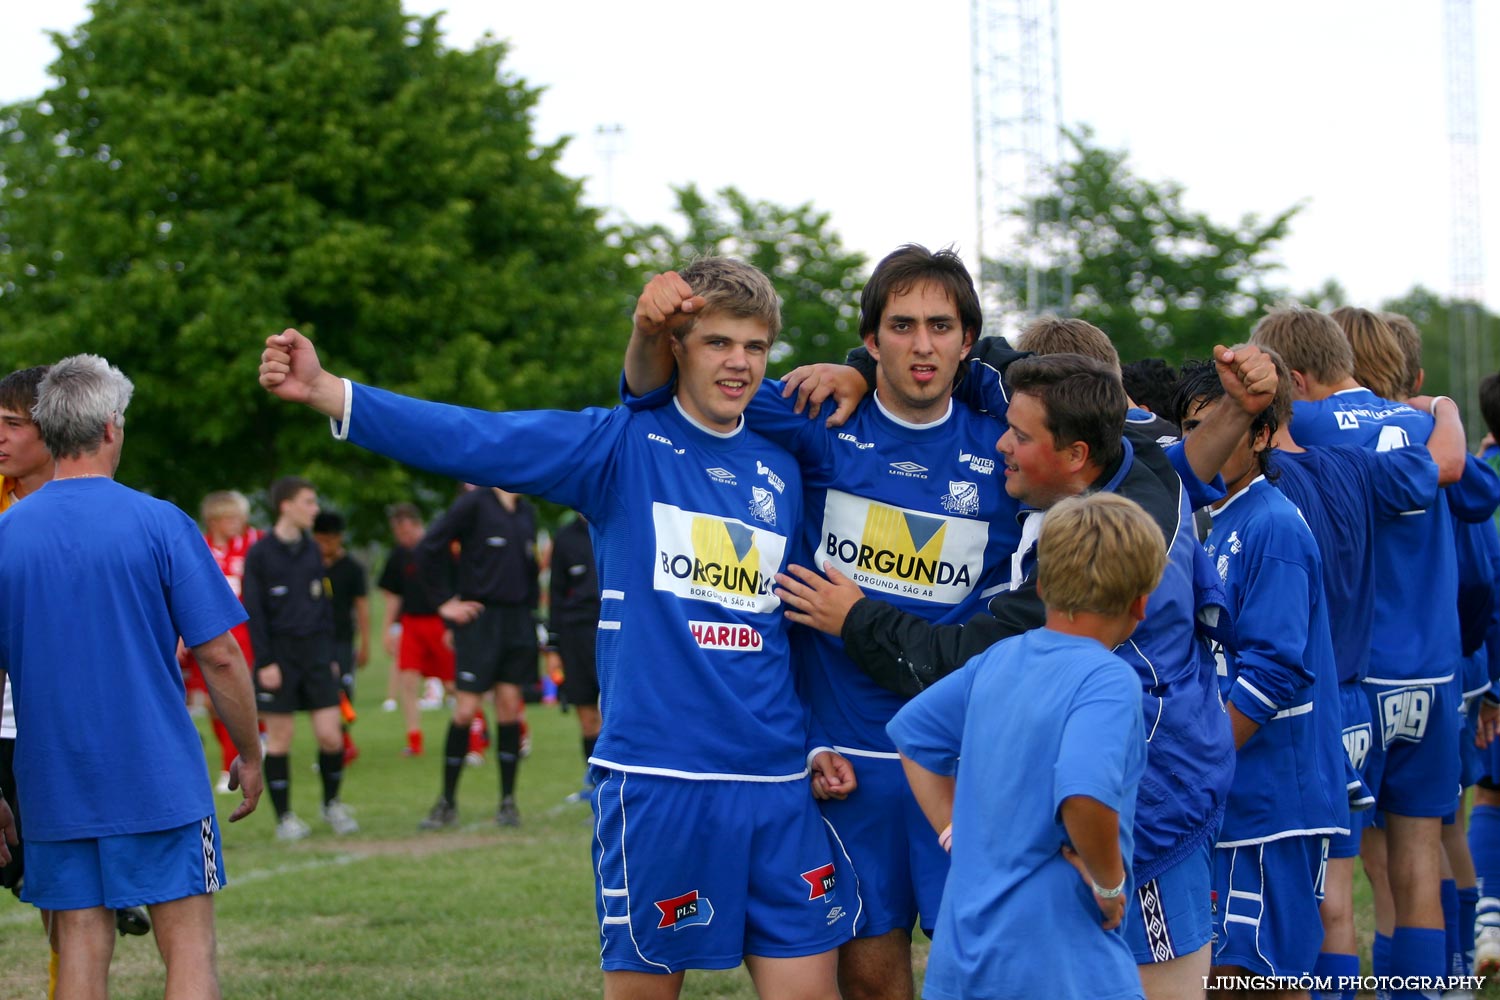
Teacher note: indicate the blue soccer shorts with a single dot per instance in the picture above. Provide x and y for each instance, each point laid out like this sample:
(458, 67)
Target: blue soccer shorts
(1269, 893)
(698, 874)
(896, 854)
(135, 869)
(1171, 915)
(1414, 762)
(1359, 739)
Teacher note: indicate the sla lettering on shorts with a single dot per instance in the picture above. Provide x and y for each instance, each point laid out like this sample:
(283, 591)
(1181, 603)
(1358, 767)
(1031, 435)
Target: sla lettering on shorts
(893, 550)
(1357, 744)
(718, 559)
(1403, 714)
(687, 910)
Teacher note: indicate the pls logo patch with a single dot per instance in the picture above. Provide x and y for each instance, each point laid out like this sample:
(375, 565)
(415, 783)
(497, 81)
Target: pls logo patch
(820, 882)
(687, 910)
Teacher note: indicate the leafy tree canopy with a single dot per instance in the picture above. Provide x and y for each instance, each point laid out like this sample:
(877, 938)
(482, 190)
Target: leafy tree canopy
(819, 281)
(1161, 279)
(205, 173)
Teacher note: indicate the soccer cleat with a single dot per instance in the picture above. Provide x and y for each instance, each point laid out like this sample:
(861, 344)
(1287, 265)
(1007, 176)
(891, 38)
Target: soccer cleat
(442, 816)
(132, 920)
(222, 785)
(508, 814)
(474, 758)
(337, 816)
(289, 827)
(1487, 951)
(389, 705)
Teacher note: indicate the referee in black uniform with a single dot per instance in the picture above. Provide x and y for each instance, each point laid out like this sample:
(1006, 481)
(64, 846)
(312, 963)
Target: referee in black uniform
(291, 631)
(494, 634)
(573, 626)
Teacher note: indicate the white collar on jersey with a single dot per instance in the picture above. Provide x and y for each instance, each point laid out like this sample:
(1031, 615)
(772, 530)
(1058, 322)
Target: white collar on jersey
(705, 428)
(947, 415)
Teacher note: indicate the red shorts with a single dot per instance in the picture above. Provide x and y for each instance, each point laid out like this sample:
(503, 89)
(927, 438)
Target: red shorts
(192, 674)
(423, 647)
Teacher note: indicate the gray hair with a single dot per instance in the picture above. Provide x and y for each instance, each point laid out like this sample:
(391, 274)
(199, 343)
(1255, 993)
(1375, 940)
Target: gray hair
(78, 397)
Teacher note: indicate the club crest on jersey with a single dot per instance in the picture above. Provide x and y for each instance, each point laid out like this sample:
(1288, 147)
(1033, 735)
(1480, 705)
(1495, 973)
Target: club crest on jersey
(962, 498)
(820, 882)
(687, 910)
(977, 463)
(720, 635)
(893, 550)
(762, 505)
(1346, 421)
(716, 559)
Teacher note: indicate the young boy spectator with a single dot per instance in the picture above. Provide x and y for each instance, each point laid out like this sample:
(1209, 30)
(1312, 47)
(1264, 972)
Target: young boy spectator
(351, 610)
(291, 631)
(1057, 792)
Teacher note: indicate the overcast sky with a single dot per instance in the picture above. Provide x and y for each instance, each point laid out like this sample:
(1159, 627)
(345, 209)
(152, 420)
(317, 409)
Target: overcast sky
(863, 108)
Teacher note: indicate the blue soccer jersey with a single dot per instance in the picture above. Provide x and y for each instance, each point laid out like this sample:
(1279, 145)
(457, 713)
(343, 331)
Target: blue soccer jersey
(1415, 569)
(917, 515)
(692, 527)
(1342, 491)
(97, 581)
(1037, 718)
(1279, 672)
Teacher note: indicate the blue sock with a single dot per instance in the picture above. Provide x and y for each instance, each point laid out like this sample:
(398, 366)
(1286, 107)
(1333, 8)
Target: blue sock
(1418, 951)
(1484, 847)
(1448, 890)
(1468, 902)
(1380, 955)
(1335, 966)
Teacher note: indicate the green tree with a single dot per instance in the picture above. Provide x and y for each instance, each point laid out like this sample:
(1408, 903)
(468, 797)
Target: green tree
(1158, 277)
(1458, 348)
(205, 173)
(817, 278)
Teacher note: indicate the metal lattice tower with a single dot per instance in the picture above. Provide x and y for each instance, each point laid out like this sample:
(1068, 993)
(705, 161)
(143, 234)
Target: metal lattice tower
(1017, 146)
(1469, 353)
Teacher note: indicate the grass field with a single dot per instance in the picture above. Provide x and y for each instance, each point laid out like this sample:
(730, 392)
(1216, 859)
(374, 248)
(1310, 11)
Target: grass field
(390, 912)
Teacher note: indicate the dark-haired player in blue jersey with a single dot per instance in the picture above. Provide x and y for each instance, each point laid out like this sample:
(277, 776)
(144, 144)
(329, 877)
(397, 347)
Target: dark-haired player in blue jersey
(708, 849)
(1412, 684)
(906, 500)
(1280, 684)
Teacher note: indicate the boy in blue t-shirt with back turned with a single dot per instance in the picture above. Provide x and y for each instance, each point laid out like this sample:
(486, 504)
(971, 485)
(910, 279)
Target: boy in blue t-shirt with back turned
(1049, 727)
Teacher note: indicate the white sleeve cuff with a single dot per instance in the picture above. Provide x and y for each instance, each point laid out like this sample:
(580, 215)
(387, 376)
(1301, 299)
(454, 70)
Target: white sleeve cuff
(340, 427)
(815, 751)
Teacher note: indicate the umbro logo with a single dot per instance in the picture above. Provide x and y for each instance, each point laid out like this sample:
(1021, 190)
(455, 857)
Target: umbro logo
(719, 475)
(861, 445)
(666, 441)
(911, 470)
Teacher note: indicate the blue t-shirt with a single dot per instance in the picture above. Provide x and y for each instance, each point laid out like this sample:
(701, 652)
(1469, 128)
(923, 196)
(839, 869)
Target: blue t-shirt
(1415, 570)
(97, 581)
(917, 515)
(1037, 718)
(1342, 491)
(691, 527)
(1280, 672)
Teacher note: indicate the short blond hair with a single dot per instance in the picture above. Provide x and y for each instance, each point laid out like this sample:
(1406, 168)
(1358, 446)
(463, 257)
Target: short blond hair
(1067, 335)
(1098, 553)
(222, 503)
(1409, 339)
(1308, 341)
(1379, 364)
